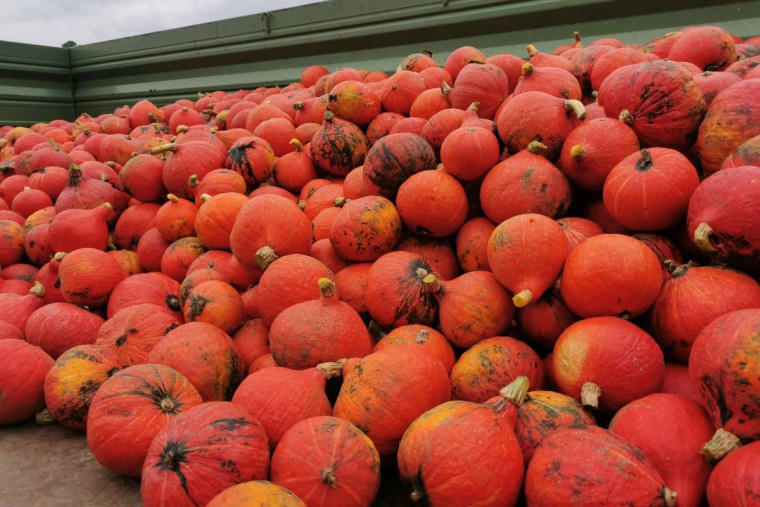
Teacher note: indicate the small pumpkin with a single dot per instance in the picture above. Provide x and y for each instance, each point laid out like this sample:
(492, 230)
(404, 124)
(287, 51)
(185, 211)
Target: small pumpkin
(432, 203)
(256, 494)
(23, 369)
(132, 332)
(365, 229)
(217, 303)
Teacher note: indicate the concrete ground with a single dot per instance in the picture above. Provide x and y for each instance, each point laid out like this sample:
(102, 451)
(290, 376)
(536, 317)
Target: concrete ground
(51, 466)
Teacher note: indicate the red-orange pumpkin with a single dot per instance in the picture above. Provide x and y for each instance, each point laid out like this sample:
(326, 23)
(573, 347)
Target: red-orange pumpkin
(438, 252)
(256, 494)
(88, 276)
(734, 481)
(544, 320)
(176, 218)
(57, 327)
(365, 229)
(217, 303)
(484, 83)
(252, 157)
(432, 203)
(352, 282)
(338, 146)
(251, 341)
(22, 376)
(178, 257)
(472, 244)
(132, 332)
(395, 157)
(417, 335)
(154, 288)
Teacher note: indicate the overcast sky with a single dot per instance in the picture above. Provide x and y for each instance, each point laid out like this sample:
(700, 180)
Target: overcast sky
(53, 22)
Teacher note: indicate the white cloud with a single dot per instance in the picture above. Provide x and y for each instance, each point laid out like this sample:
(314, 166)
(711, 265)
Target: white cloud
(53, 22)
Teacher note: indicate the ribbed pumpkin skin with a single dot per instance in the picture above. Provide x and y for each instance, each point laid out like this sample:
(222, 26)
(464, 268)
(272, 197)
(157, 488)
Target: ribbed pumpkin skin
(202, 452)
(205, 355)
(22, 376)
(384, 392)
(73, 381)
(338, 146)
(480, 82)
(365, 229)
(323, 451)
(155, 288)
(216, 218)
(440, 125)
(440, 253)
(217, 303)
(694, 297)
(555, 81)
(587, 465)
(577, 230)
(489, 365)
(263, 221)
(129, 410)
(395, 294)
(484, 467)
(622, 359)
(191, 157)
(725, 365)
(541, 414)
(133, 332)
(664, 249)
(57, 327)
(747, 153)
(424, 337)
(668, 118)
(395, 157)
(610, 274)
(256, 494)
(88, 277)
(252, 157)
(735, 480)
(544, 320)
(670, 431)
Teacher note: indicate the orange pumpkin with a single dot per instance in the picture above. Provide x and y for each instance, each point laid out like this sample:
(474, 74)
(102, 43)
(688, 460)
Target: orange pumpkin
(256, 494)
(216, 218)
(216, 303)
(416, 335)
(176, 218)
(177, 259)
(133, 331)
(365, 229)
(432, 203)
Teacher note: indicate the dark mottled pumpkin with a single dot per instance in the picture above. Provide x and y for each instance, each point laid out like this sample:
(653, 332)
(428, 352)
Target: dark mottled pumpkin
(338, 146)
(395, 157)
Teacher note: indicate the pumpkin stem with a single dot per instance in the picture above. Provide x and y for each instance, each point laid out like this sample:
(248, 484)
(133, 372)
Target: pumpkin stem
(578, 152)
(75, 171)
(328, 477)
(298, 105)
(537, 147)
(173, 303)
(427, 52)
(37, 290)
(531, 49)
(329, 115)
(172, 198)
(702, 238)
(417, 495)
(445, 88)
(577, 107)
(297, 144)
(180, 129)
(168, 405)
(44, 418)
(626, 117)
(376, 331)
(590, 393)
(3, 143)
(719, 445)
(578, 40)
(516, 390)
(645, 162)
(675, 270)
(59, 256)
(522, 298)
(205, 197)
(331, 370)
(196, 305)
(301, 204)
(264, 257)
(527, 69)
(193, 181)
(327, 287)
(340, 202)
(669, 496)
(432, 283)
(474, 107)
(164, 148)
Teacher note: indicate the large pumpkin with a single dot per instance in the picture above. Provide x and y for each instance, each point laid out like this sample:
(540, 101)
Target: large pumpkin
(22, 376)
(395, 157)
(338, 146)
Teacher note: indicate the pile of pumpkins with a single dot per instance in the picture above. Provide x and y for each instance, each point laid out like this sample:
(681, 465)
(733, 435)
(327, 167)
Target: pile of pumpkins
(502, 279)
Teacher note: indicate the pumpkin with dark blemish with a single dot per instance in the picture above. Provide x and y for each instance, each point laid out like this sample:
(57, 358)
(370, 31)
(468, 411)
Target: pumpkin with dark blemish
(664, 249)
(490, 364)
(670, 430)
(693, 297)
(252, 157)
(725, 365)
(613, 60)
(338, 146)
(129, 410)
(178, 257)
(747, 153)
(385, 391)
(73, 381)
(659, 100)
(155, 288)
(251, 341)
(88, 276)
(202, 452)
(588, 465)
(394, 158)
(424, 337)
(215, 302)
(432, 203)
(57, 327)
(176, 218)
(607, 362)
(22, 377)
(256, 494)
(37, 244)
(11, 242)
(708, 47)
(483, 467)
(366, 228)
(541, 413)
(133, 223)
(327, 461)
(352, 282)
(396, 294)
(205, 355)
(471, 307)
(438, 252)
(712, 83)
(525, 183)
(352, 101)
(472, 244)
(132, 332)
(611, 274)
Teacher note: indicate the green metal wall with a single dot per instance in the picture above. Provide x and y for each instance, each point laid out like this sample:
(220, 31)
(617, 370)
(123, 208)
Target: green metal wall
(274, 47)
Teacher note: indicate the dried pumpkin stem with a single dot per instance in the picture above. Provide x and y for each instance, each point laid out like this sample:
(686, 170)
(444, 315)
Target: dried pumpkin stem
(44, 418)
(590, 393)
(331, 370)
(37, 290)
(75, 171)
(264, 257)
(719, 445)
(531, 49)
(578, 152)
(417, 495)
(702, 238)
(297, 144)
(576, 107)
(445, 88)
(475, 106)
(327, 287)
(164, 148)
(522, 298)
(377, 332)
(340, 202)
(669, 496)
(626, 117)
(527, 69)
(328, 477)
(432, 283)
(193, 181)
(516, 390)
(537, 148)
(578, 40)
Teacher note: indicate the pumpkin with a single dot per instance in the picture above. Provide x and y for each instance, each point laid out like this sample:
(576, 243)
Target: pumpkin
(132, 332)
(251, 341)
(544, 320)
(677, 381)
(178, 257)
(130, 408)
(610, 274)
(256, 494)
(394, 158)
(726, 228)
(22, 377)
(8, 330)
(440, 126)
(539, 59)
(385, 391)
(432, 203)
(155, 288)
(712, 83)
(577, 230)
(352, 281)
(677, 317)
(338, 146)
(260, 223)
(430, 101)
(277, 132)
(202, 452)
(511, 65)
(607, 362)
(588, 465)
(142, 177)
(12, 243)
(323, 251)
(176, 218)
(665, 250)
(486, 367)
(217, 303)
(216, 182)
(133, 223)
(468, 153)
(252, 157)
(724, 366)
(484, 467)
(188, 158)
(57, 327)
(88, 276)
(541, 414)
(513, 252)
(707, 47)
(472, 244)
(205, 355)
(29, 201)
(395, 293)
(460, 58)
(293, 170)
(484, 83)
(555, 81)
(734, 480)
(650, 190)
(150, 249)
(51, 180)
(281, 397)
(197, 277)
(400, 91)
(609, 61)
(747, 153)
(417, 335)
(525, 183)
(670, 431)
(365, 229)
(327, 461)
(438, 252)
(659, 100)
(72, 382)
